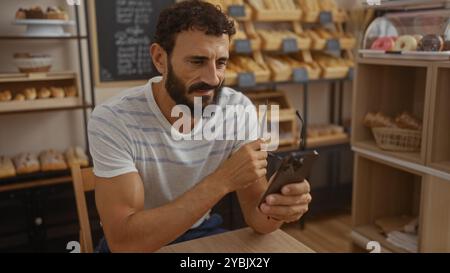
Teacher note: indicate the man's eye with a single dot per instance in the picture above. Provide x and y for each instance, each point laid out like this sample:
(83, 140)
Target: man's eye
(222, 64)
(197, 62)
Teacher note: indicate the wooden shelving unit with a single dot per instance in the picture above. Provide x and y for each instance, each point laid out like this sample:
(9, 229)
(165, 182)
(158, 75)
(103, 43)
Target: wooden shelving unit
(392, 184)
(439, 140)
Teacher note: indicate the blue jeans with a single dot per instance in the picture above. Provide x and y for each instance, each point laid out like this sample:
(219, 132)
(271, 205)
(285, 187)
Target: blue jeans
(209, 227)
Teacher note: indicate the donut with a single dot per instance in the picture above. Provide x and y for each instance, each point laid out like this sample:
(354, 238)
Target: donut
(383, 43)
(446, 45)
(431, 42)
(418, 38)
(405, 43)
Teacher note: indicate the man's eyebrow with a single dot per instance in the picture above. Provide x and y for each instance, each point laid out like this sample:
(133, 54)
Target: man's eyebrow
(203, 58)
(197, 58)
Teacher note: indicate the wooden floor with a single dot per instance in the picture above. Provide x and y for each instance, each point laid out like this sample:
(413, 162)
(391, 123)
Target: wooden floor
(325, 234)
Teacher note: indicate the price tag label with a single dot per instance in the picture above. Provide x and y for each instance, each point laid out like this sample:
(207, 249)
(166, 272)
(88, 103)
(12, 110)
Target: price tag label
(351, 73)
(246, 79)
(333, 45)
(290, 46)
(236, 11)
(325, 17)
(300, 75)
(243, 46)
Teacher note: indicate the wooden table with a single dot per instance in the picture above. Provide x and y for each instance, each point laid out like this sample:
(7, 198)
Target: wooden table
(241, 241)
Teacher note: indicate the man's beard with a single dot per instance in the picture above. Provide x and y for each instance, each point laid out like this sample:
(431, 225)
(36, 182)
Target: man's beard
(179, 93)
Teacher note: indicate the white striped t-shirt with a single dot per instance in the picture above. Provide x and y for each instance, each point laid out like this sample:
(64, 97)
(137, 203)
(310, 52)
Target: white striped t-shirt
(128, 133)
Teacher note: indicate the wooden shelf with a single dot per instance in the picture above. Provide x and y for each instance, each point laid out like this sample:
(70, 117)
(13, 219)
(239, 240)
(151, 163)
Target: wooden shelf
(32, 77)
(327, 140)
(391, 89)
(442, 166)
(40, 105)
(380, 191)
(35, 183)
(12, 37)
(372, 146)
(372, 234)
(439, 138)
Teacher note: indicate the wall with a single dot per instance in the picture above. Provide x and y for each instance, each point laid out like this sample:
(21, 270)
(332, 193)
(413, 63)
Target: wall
(59, 130)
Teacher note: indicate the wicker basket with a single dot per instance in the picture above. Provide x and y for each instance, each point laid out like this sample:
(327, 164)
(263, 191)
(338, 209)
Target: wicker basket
(399, 140)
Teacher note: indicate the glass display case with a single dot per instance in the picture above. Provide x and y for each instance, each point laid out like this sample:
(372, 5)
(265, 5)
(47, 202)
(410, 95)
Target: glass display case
(411, 35)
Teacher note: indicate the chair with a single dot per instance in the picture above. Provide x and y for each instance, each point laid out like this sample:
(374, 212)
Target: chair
(83, 181)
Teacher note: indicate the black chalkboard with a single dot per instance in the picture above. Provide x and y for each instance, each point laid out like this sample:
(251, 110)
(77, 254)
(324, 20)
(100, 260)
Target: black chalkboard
(124, 30)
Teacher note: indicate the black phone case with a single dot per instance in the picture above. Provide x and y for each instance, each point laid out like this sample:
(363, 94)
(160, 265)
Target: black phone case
(291, 170)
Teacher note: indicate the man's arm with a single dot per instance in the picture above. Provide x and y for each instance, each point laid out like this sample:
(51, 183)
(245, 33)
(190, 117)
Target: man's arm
(129, 227)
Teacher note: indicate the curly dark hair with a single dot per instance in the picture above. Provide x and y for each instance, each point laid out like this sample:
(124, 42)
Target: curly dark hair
(187, 15)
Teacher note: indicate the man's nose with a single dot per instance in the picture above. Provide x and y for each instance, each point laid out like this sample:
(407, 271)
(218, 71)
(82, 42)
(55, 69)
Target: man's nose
(210, 75)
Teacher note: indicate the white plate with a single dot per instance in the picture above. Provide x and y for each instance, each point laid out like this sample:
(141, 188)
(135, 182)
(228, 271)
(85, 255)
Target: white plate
(43, 22)
(410, 55)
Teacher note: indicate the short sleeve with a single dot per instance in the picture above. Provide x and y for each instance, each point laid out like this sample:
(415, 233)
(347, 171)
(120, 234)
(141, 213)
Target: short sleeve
(247, 121)
(110, 144)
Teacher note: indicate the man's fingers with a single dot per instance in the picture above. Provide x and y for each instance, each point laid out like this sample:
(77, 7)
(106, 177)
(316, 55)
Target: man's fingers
(255, 145)
(283, 212)
(288, 200)
(261, 164)
(296, 188)
(261, 155)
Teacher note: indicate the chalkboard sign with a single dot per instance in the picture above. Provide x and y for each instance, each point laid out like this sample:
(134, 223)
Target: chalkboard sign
(122, 31)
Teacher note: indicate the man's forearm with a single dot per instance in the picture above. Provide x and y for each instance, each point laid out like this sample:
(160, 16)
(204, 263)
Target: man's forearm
(149, 230)
(249, 199)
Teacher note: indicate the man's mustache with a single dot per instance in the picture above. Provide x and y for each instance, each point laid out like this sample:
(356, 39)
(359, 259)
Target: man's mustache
(202, 87)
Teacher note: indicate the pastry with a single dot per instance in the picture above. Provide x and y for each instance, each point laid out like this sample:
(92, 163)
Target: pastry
(56, 13)
(44, 93)
(431, 42)
(21, 14)
(19, 97)
(52, 161)
(383, 43)
(309, 5)
(446, 45)
(30, 93)
(407, 121)
(5, 95)
(77, 156)
(6, 167)
(26, 163)
(378, 120)
(57, 92)
(70, 91)
(406, 43)
(328, 5)
(35, 12)
(418, 38)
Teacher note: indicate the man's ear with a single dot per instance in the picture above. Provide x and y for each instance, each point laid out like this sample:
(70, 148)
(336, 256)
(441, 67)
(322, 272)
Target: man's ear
(159, 57)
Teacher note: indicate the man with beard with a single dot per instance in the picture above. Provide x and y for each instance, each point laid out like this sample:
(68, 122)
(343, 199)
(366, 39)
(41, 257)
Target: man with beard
(152, 190)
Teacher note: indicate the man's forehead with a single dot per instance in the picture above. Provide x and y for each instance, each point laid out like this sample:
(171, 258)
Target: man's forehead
(199, 44)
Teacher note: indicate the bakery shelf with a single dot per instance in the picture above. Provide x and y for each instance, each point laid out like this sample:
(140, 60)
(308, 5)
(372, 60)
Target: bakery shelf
(72, 37)
(436, 215)
(439, 141)
(370, 145)
(32, 77)
(381, 191)
(42, 105)
(370, 233)
(34, 180)
(327, 140)
(391, 88)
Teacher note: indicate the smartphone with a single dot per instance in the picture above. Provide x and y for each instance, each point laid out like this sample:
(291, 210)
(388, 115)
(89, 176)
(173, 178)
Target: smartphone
(292, 169)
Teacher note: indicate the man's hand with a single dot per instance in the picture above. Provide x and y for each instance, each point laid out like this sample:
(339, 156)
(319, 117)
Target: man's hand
(290, 205)
(244, 167)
